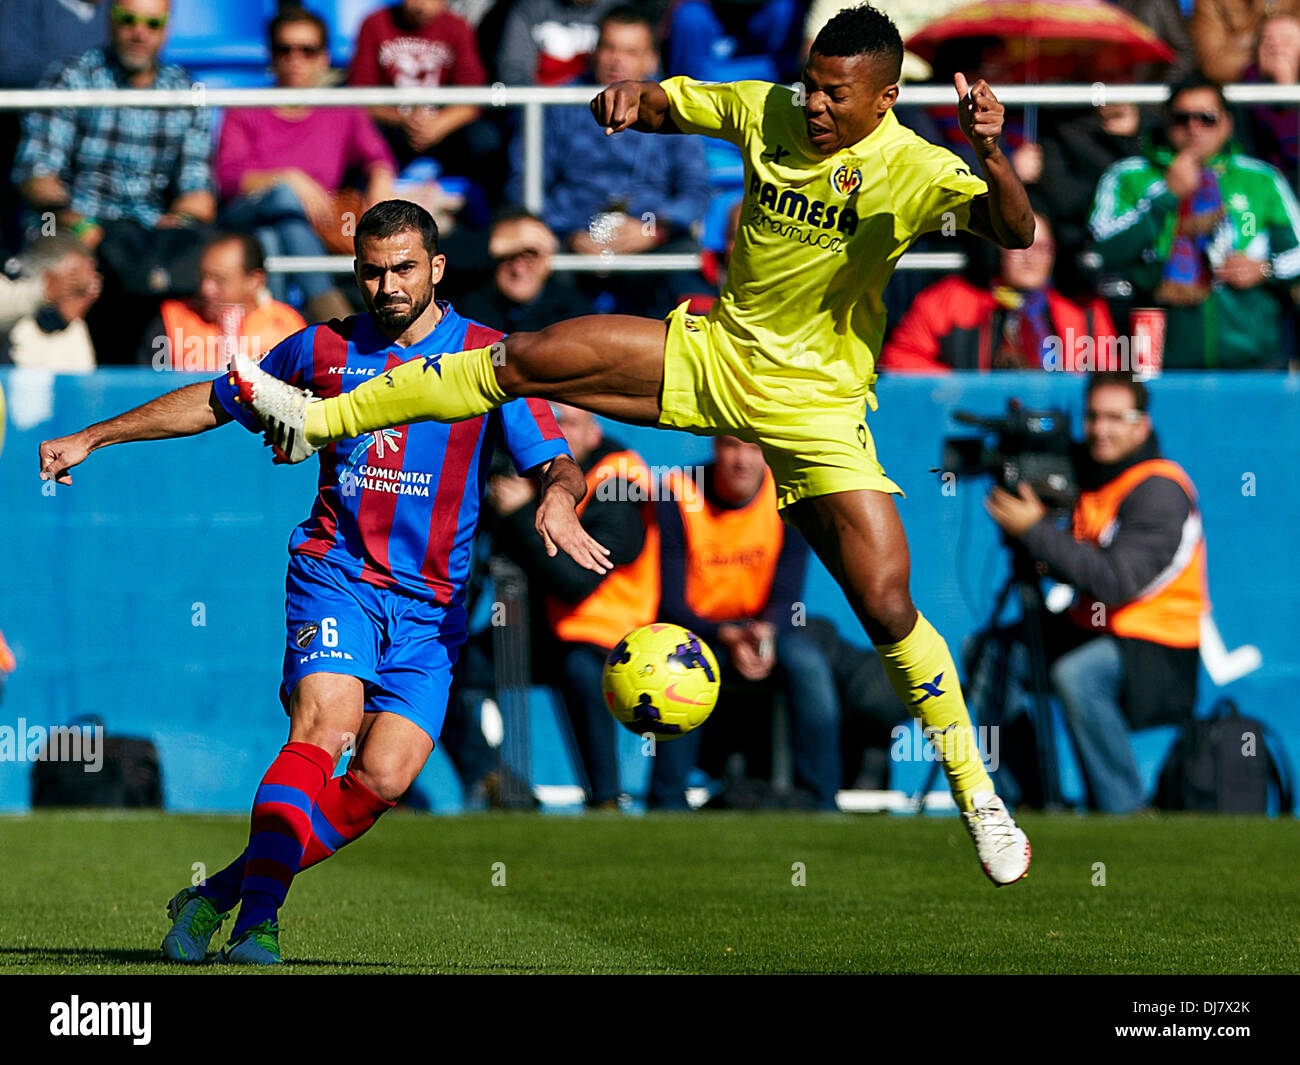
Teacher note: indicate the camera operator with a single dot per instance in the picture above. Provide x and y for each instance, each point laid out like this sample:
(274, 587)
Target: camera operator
(1135, 554)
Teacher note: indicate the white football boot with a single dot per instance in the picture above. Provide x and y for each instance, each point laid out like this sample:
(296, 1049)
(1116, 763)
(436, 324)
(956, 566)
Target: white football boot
(1003, 849)
(279, 406)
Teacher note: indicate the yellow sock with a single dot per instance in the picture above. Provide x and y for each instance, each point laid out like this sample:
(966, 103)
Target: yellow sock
(449, 388)
(923, 674)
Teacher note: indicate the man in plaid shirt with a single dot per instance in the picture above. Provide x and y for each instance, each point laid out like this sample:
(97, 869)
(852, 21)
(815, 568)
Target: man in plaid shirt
(114, 177)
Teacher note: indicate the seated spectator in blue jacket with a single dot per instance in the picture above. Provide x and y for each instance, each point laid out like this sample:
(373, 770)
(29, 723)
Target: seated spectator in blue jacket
(732, 573)
(714, 40)
(627, 194)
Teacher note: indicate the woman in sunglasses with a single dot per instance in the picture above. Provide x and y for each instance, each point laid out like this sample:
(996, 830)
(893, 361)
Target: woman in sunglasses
(1205, 231)
(279, 171)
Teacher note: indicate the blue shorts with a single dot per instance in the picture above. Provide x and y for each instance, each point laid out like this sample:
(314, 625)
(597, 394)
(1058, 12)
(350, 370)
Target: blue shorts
(402, 648)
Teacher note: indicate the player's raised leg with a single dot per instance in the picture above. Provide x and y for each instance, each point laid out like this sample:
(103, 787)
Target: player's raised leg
(860, 539)
(608, 364)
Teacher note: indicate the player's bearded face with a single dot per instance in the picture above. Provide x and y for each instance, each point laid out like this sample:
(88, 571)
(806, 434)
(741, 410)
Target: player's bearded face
(397, 278)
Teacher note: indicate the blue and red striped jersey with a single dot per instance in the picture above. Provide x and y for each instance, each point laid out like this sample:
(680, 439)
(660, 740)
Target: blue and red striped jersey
(398, 508)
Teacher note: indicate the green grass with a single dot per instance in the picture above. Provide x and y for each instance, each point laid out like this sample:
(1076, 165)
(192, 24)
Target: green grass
(84, 893)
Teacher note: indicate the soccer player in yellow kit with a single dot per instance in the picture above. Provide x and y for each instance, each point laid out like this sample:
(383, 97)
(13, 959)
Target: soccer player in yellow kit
(836, 189)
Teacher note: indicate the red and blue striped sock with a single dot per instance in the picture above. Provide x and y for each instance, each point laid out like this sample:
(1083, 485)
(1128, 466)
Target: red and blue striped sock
(222, 889)
(344, 810)
(281, 827)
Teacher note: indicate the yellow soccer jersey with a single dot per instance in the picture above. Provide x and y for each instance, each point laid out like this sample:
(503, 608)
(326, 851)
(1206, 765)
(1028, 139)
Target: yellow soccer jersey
(818, 236)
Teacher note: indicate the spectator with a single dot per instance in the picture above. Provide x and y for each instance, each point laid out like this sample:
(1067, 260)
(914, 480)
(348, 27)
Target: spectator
(626, 194)
(1127, 656)
(523, 294)
(131, 183)
(279, 170)
(731, 573)
(53, 334)
(1207, 233)
(726, 40)
(587, 613)
(49, 33)
(420, 42)
(189, 334)
(1274, 129)
(1016, 321)
(549, 42)
(1225, 31)
(1073, 155)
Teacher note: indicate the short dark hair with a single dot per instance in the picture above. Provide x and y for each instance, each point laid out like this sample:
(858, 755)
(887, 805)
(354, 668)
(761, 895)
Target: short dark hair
(1108, 378)
(514, 213)
(862, 30)
(627, 15)
(1193, 81)
(289, 15)
(254, 257)
(391, 217)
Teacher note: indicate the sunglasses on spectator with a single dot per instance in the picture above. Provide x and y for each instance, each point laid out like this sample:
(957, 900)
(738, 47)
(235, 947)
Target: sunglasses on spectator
(123, 17)
(1203, 118)
(309, 50)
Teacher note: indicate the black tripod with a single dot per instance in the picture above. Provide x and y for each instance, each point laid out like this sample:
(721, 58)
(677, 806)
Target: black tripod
(991, 709)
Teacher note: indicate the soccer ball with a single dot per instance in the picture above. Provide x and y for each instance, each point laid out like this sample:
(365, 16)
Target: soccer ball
(661, 679)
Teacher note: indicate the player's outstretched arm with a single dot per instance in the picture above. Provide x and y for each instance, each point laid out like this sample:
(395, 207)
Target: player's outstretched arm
(639, 105)
(184, 412)
(1002, 215)
(562, 489)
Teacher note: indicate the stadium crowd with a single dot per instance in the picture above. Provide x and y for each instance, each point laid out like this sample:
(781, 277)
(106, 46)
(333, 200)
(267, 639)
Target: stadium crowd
(139, 237)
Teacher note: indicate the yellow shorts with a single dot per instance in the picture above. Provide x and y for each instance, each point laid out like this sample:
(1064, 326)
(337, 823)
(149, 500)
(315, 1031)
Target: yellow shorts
(814, 449)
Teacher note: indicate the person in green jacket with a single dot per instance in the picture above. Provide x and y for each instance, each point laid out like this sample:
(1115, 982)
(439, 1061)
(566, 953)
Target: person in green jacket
(1207, 232)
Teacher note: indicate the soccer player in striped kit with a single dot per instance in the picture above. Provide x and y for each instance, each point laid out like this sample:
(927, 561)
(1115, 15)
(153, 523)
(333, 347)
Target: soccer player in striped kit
(375, 587)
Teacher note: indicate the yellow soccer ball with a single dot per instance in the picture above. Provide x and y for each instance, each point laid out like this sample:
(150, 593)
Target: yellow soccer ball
(661, 679)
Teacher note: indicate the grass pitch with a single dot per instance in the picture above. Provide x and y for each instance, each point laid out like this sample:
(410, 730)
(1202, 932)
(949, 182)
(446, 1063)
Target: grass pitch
(83, 893)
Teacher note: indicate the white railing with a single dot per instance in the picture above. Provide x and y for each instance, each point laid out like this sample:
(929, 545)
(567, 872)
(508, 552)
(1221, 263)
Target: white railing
(533, 99)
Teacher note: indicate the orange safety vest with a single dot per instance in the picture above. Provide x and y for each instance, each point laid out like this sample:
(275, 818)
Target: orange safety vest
(1168, 611)
(731, 554)
(196, 345)
(628, 597)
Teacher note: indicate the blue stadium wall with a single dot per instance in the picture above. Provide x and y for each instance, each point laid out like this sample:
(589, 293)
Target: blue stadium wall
(150, 591)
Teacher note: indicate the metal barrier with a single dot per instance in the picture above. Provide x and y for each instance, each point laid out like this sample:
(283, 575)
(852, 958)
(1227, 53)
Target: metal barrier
(532, 99)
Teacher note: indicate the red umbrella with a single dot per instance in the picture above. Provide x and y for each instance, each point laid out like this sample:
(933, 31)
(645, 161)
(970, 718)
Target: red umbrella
(1070, 40)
